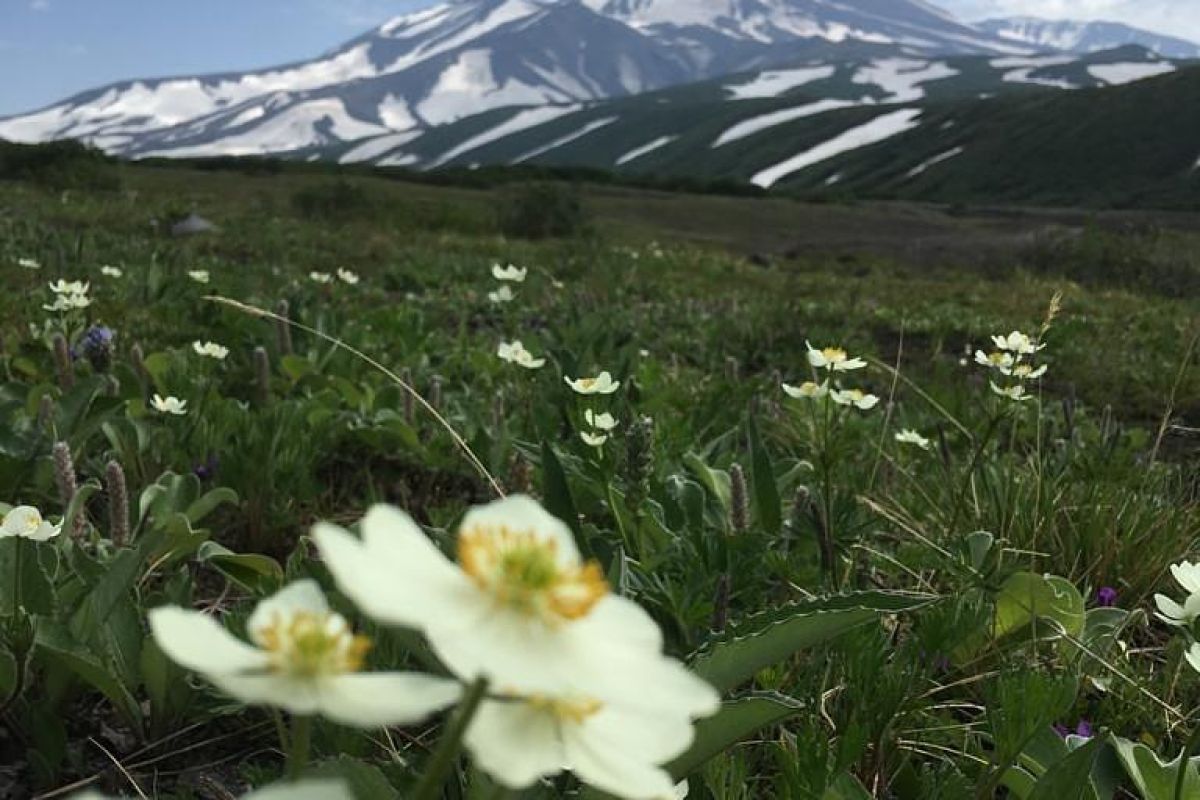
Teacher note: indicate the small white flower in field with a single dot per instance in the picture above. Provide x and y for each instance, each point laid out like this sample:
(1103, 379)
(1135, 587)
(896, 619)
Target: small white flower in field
(908, 436)
(303, 657)
(320, 277)
(602, 422)
(601, 384)
(1193, 656)
(834, 358)
(854, 397)
(520, 607)
(347, 277)
(111, 272)
(515, 353)
(1016, 392)
(199, 275)
(169, 405)
(509, 273)
(999, 360)
(1026, 372)
(68, 302)
(299, 790)
(644, 353)
(26, 522)
(807, 390)
(1017, 342)
(1177, 615)
(615, 748)
(596, 440)
(28, 263)
(501, 295)
(1187, 575)
(557, 284)
(70, 287)
(210, 350)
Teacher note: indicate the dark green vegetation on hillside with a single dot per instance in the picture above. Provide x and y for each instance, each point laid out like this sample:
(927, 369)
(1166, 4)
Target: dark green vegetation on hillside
(701, 307)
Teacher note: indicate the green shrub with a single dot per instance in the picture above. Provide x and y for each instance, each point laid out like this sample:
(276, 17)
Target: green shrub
(59, 165)
(541, 211)
(335, 200)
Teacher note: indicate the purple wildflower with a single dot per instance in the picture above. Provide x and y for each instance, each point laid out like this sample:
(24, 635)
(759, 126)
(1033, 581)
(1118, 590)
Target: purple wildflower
(1106, 597)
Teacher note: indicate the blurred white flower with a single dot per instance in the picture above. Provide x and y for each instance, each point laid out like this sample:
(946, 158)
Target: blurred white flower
(110, 272)
(210, 350)
(908, 436)
(509, 273)
(854, 397)
(1193, 656)
(807, 390)
(68, 302)
(1025, 372)
(601, 384)
(199, 275)
(304, 659)
(834, 358)
(515, 353)
(1016, 392)
(70, 287)
(298, 790)
(320, 277)
(501, 295)
(28, 263)
(26, 522)
(1017, 342)
(520, 607)
(169, 405)
(1187, 575)
(999, 360)
(593, 439)
(602, 422)
(616, 748)
(1177, 615)
(347, 277)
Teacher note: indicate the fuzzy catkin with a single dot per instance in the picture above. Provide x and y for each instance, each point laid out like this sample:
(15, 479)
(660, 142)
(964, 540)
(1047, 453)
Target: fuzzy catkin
(118, 503)
(409, 403)
(639, 460)
(739, 500)
(62, 363)
(283, 328)
(45, 418)
(64, 478)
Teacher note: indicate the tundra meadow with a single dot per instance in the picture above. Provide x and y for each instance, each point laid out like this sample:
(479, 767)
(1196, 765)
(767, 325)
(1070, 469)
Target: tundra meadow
(381, 503)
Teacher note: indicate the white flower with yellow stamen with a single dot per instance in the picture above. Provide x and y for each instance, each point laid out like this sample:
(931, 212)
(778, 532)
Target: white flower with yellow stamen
(834, 358)
(348, 277)
(501, 296)
(520, 607)
(303, 658)
(168, 405)
(210, 350)
(591, 439)
(1016, 392)
(510, 273)
(999, 360)
(69, 302)
(70, 287)
(602, 422)
(1025, 372)
(912, 437)
(601, 384)
(199, 275)
(1017, 342)
(616, 748)
(320, 277)
(26, 522)
(854, 397)
(111, 272)
(515, 353)
(807, 390)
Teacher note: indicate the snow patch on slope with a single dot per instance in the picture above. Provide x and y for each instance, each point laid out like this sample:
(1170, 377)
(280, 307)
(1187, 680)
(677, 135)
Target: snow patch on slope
(922, 168)
(594, 125)
(1117, 74)
(877, 130)
(649, 147)
(763, 121)
(902, 77)
(469, 86)
(373, 148)
(773, 83)
(518, 122)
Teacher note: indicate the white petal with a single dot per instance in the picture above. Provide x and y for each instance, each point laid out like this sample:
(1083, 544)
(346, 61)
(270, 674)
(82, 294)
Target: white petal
(303, 790)
(653, 738)
(1188, 576)
(614, 768)
(271, 689)
(301, 596)
(200, 643)
(1169, 611)
(1193, 656)
(515, 743)
(519, 512)
(378, 699)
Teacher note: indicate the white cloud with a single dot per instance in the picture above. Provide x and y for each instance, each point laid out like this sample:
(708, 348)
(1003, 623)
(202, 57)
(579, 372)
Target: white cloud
(1171, 17)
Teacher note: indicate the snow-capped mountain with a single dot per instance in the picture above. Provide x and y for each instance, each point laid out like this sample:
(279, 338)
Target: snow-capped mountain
(463, 57)
(1085, 37)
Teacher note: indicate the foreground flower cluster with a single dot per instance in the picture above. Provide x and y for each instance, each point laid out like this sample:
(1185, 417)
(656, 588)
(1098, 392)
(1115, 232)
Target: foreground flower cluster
(1012, 358)
(829, 363)
(575, 675)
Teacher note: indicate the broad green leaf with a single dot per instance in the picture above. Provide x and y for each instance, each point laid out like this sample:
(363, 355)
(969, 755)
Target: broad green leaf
(55, 643)
(33, 589)
(715, 481)
(1069, 779)
(767, 505)
(775, 636)
(256, 573)
(737, 720)
(366, 782)
(208, 503)
(1154, 779)
(846, 787)
(556, 490)
(1026, 598)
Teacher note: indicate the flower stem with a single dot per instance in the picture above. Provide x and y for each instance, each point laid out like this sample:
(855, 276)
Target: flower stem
(299, 747)
(442, 763)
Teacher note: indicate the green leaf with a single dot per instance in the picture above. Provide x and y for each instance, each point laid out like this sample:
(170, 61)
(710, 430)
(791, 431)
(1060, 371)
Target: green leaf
(256, 573)
(846, 787)
(737, 720)
(716, 482)
(1154, 779)
(1069, 779)
(210, 502)
(775, 636)
(1026, 598)
(55, 644)
(364, 781)
(556, 490)
(296, 367)
(767, 505)
(36, 589)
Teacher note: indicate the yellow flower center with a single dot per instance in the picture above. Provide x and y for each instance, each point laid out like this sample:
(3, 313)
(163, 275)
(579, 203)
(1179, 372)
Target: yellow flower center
(522, 571)
(834, 355)
(574, 711)
(587, 383)
(308, 644)
(998, 358)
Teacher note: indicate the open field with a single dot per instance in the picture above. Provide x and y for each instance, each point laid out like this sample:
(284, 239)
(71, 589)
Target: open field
(892, 618)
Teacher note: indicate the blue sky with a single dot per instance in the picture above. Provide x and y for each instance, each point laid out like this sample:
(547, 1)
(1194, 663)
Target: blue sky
(50, 49)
